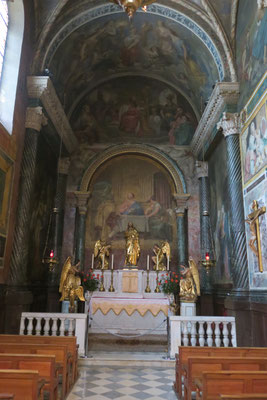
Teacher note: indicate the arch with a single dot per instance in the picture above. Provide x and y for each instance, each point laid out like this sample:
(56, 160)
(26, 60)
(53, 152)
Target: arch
(145, 150)
(10, 72)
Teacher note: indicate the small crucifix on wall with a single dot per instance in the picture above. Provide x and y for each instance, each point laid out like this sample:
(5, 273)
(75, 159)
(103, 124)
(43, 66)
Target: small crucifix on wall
(254, 225)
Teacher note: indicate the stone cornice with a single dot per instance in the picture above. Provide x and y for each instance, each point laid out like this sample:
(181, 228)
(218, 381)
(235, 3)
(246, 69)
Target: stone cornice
(223, 94)
(35, 118)
(41, 87)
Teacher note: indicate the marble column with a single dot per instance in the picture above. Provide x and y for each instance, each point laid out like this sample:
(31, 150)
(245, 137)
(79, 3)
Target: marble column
(181, 206)
(20, 251)
(82, 200)
(58, 216)
(231, 130)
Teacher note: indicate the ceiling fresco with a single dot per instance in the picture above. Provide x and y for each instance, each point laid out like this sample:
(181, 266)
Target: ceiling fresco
(151, 45)
(135, 110)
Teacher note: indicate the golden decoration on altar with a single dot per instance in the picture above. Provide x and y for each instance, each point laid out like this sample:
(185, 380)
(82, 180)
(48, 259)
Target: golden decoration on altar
(142, 307)
(132, 246)
(190, 283)
(159, 258)
(131, 6)
(254, 225)
(101, 252)
(70, 284)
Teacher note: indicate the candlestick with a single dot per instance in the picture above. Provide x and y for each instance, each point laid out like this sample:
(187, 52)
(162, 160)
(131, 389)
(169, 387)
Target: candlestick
(147, 264)
(157, 290)
(92, 264)
(111, 288)
(112, 260)
(147, 289)
(103, 257)
(102, 287)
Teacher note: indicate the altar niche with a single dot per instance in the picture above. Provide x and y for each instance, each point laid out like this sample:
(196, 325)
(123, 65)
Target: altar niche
(130, 189)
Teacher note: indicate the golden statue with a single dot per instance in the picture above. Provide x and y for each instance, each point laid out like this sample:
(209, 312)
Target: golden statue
(189, 284)
(159, 258)
(70, 283)
(132, 245)
(101, 251)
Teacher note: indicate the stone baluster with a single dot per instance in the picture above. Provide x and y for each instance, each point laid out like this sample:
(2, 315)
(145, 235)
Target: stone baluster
(62, 327)
(38, 326)
(54, 326)
(30, 325)
(239, 265)
(193, 333)
(217, 334)
(209, 334)
(201, 333)
(225, 334)
(22, 325)
(181, 206)
(46, 326)
(185, 334)
(82, 200)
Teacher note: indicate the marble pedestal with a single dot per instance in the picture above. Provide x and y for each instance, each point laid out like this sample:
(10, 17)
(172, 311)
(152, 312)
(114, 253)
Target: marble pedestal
(187, 309)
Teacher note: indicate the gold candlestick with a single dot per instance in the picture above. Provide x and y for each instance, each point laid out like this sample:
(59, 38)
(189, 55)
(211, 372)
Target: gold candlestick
(102, 288)
(111, 288)
(147, 289)
(157, 290)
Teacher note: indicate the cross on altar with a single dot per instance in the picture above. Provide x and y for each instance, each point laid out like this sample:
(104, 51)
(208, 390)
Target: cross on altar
(254, 224)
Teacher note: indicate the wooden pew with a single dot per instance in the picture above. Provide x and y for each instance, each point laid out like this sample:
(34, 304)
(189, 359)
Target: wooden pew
(190, 351)
(6, 396)
(70, 341)
(24, 384)
(60, 351)
(213, 384)
(196, 365)
(44, 364)
(243, 396)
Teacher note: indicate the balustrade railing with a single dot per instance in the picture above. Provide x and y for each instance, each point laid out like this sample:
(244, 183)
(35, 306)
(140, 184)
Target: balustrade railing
(201, 331)
(56, 324)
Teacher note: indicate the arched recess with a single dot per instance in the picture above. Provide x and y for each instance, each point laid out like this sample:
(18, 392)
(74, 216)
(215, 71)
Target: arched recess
(9, 79)
(168, 164)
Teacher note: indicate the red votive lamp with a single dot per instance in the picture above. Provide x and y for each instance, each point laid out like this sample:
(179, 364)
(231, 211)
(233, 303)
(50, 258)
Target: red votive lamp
(207, 257)
(51, 253)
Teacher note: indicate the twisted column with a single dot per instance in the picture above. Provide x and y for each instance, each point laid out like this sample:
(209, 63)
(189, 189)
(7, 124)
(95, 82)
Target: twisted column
(20, 249)
(181, 206)
(230, 128)
(82, 200)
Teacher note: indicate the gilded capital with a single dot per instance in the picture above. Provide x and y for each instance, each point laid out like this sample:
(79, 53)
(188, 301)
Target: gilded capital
(82, 200)
(202, 169)
(229, 124)
(35, 118)
(181, 202)
(64, 165)
(262, 4)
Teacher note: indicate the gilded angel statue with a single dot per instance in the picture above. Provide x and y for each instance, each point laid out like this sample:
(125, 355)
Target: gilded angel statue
(160, 253)
(101, 252)
(70, 283)
(190, 284)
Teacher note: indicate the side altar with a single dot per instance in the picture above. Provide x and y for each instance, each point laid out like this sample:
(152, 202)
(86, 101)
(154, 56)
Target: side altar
(129, 309)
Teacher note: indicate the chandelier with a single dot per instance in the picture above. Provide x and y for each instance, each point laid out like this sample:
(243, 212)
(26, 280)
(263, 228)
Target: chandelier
(131, 6)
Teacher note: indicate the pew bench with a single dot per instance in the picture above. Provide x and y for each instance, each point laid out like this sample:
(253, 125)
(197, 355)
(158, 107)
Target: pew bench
(196, 365)
(24, 384)
(212, 384)
(69, 341)
(249, 396)
(44, 364)
(184, 352)
(6, 396)
(59, 351)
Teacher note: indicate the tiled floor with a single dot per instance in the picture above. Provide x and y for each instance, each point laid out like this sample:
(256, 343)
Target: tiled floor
(123, 383)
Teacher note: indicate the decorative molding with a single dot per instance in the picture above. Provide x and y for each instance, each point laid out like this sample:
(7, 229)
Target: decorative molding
(82, 198)
(64, 165)
(41, 87)
(224, 93)
(229, 124)
(262, 4)
(181, 202)
(202, 169)
(122, 149)
(35, 118)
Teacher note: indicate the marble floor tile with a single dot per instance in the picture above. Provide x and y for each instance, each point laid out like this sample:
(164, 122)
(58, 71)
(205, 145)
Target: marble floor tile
(123, 383)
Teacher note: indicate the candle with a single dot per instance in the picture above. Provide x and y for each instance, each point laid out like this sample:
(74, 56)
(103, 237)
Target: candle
(168, 263)
(103, 258)
(157, 266)
(112, 260)
(147, 263)
(92, 265)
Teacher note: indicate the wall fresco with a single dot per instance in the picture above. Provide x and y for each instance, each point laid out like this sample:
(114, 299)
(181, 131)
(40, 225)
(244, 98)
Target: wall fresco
(135, 110)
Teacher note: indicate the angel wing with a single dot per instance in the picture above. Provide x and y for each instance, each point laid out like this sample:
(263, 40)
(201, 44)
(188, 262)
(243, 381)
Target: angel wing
(79, 293)
(97, 248)
(195, 274)
(167, 250)
(64, 273)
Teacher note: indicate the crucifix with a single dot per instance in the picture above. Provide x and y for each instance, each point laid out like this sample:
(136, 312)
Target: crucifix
(254, 225)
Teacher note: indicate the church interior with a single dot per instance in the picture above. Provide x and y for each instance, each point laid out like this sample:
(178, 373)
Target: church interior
(133, 194)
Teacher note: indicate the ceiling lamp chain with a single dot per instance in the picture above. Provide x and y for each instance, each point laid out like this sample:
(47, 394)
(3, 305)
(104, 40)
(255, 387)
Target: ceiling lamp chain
(131, 6)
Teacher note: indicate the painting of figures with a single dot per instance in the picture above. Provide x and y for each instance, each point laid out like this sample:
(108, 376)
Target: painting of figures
(256, 278)
(135, 110)
(131, 189)
(254, 144)
(147, 46)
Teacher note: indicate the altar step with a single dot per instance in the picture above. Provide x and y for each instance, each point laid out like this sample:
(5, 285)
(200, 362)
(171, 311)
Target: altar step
(132, 359)
(144, 344)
